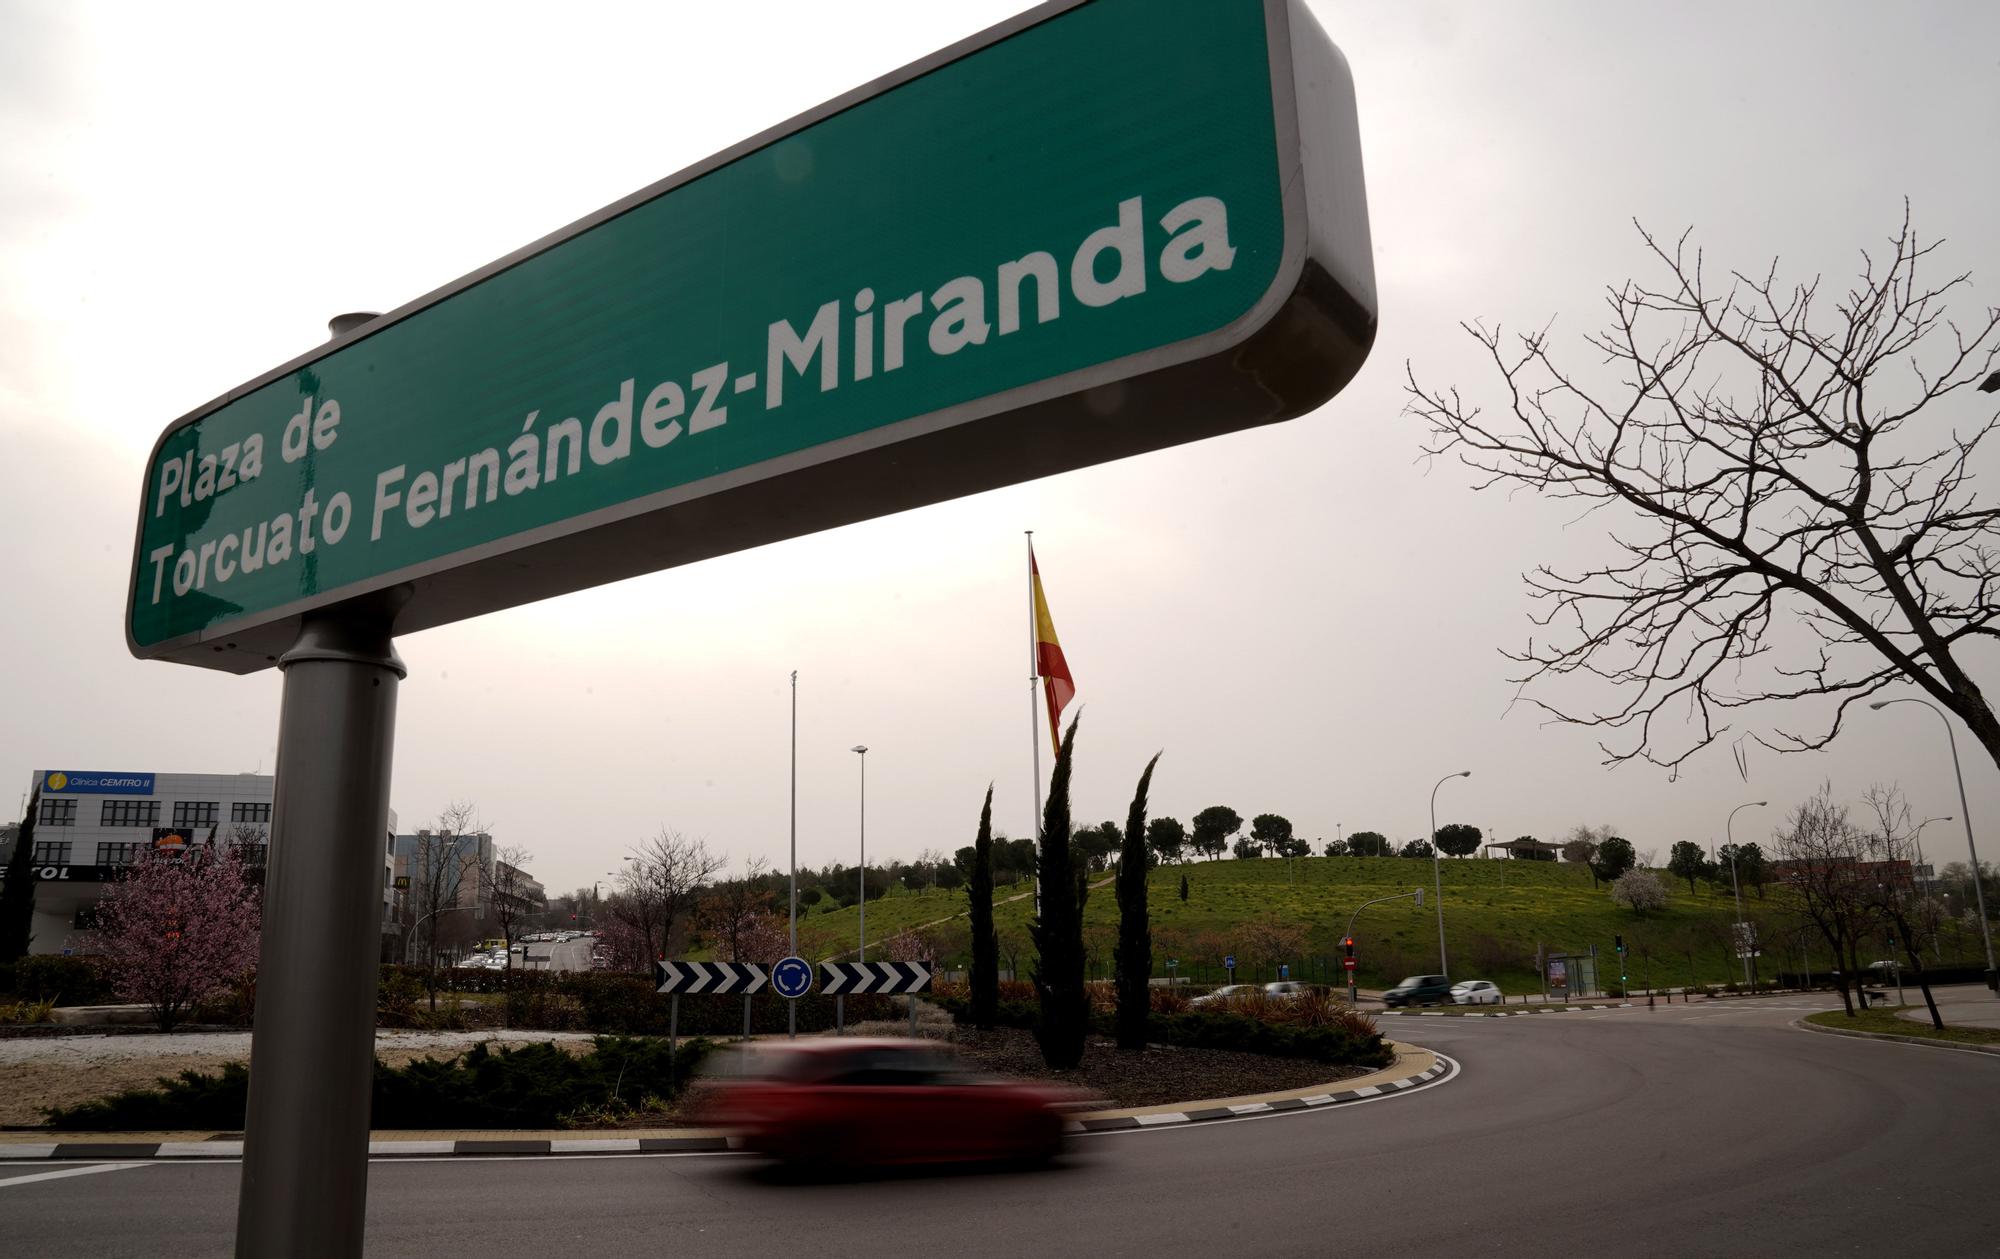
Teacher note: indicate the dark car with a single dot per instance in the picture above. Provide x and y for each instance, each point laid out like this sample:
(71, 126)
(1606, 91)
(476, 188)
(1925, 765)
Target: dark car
(1419, 990)
(874, 1101)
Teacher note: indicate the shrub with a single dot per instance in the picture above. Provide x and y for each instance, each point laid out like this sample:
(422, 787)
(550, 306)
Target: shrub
(1168, 1000)
(63, 980)
(535, 1086)
(27, 1011)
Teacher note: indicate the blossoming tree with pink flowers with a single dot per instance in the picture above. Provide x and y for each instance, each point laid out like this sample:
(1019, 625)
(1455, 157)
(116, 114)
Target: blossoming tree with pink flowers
(178, 930)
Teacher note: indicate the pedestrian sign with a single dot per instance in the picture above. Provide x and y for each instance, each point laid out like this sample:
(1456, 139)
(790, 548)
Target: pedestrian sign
(1229, 962)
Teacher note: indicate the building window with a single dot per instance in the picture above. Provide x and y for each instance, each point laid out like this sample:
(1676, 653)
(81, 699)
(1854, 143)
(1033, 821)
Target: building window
(52, 853)
(57, 811)
(120, 854)
(130, 813)
(249, 812)
(196, 812)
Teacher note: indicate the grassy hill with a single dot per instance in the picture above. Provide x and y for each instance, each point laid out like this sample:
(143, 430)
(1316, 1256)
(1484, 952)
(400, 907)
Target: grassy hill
(1496, 912)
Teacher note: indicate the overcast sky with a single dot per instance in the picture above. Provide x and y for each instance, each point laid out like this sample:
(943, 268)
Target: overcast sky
(1305, 617)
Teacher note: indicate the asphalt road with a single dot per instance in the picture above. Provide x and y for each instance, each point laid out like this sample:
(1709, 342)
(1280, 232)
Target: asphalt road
(1682, 1130)
(567, 955)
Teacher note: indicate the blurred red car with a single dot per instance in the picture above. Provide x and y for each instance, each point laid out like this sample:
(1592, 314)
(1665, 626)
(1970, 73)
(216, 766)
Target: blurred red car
(868, 1101)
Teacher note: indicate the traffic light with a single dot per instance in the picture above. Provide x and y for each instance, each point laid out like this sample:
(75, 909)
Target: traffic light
(1618, 942)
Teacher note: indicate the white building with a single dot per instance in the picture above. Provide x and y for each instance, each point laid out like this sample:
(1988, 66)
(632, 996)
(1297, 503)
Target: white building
(91, 824)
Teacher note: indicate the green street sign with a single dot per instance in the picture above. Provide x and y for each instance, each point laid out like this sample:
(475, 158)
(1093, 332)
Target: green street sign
(1098, 229)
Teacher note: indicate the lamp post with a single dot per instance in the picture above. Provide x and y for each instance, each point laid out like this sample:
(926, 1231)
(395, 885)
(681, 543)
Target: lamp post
(1917, 837)
(861, 750)
(1437, 868)
(1742, 938)
(412, 938)
(1965, 812)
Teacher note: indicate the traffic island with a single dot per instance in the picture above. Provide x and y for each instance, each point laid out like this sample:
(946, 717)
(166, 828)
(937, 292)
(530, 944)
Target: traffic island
(1464, 1012)
(1885, 1024)
(1414, 1069)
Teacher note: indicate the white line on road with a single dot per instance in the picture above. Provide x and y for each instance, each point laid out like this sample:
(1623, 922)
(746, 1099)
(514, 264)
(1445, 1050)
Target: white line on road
(91, 1170)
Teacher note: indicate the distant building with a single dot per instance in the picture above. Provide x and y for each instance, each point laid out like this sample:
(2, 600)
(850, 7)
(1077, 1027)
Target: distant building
(92, 824)
(457, 879)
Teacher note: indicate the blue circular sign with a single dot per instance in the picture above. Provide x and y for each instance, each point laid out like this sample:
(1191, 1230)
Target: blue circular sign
(792, 977)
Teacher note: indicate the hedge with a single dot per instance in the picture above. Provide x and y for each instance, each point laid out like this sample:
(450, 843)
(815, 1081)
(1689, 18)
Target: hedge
(626, 1004)
(534, 1086)
(1350, 1042)
(51, 976)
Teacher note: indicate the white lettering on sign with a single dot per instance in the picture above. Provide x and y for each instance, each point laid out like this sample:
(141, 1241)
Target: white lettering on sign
(1111, 264)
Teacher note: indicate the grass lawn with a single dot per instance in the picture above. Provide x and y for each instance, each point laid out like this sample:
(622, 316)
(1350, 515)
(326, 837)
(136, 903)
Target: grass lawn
(1496, 912)
(1884, 1019)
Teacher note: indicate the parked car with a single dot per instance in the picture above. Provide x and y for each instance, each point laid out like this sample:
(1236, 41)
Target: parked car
(1476, 992)
(877, 1101)
(1285, 990)
(1224, 993)
(1419, 990)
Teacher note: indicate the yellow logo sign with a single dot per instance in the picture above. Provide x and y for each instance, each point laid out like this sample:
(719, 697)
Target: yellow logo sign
(58, 780)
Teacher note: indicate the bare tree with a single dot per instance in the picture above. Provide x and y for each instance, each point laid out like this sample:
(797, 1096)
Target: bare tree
(732, 909)
(1889, 895)
(438, 870)
(661, 886)
(507, 890)
(1797, 526)
(1820, 856)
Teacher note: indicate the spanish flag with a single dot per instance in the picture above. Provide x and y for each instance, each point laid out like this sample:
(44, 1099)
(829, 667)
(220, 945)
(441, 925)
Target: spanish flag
(1058, 688)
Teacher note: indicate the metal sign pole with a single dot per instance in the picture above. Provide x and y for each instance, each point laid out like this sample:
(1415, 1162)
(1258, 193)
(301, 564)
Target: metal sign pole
(746, 1016)
(673, 1023)
(305, 1157)
(840, 1015)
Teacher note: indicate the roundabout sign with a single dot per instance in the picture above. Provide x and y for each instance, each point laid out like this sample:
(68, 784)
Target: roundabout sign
(792, 978)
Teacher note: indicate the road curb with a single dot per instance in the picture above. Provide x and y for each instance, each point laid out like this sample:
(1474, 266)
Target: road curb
(1441, 1068)
(1497, 1014)
(489, 1145)
(1927, 1042)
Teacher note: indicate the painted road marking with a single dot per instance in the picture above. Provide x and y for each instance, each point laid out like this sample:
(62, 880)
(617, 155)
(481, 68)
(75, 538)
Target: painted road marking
(67, 1172)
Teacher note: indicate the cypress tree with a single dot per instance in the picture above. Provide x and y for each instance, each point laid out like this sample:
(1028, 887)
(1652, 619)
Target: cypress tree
(17, 894)
(1134, 955)
(1058, 928)
(985, 947)
(1184, 888)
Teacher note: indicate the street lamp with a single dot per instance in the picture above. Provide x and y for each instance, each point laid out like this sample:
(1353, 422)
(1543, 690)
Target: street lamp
(1917, 837)
(1742, 938)
(1965, 812)
(1437, 868)
(861, 750)
(411, 939)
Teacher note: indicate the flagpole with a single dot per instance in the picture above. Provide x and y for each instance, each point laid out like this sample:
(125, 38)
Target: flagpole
(1034, 719)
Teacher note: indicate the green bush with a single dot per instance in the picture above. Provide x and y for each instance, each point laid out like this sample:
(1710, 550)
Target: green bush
(191, 1100)
(535, 1086)
(1345, 1038)
(65, 980)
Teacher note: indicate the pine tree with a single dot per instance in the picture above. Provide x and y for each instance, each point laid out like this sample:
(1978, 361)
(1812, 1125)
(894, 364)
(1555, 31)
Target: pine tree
(1058, 929)
(17, 894)
(985, 946)
(1133, 956)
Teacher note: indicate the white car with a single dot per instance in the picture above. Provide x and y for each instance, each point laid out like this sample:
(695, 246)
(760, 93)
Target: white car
(1475, 992)
(1224, 993)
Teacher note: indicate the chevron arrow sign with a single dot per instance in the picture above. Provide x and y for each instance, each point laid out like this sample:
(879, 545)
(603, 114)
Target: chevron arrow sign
(882, 978)
(712, 978)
